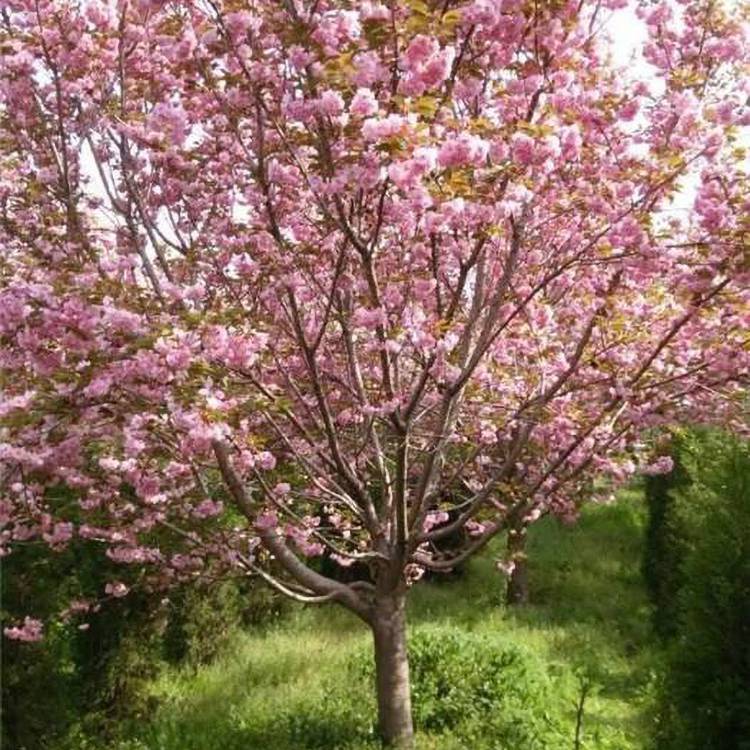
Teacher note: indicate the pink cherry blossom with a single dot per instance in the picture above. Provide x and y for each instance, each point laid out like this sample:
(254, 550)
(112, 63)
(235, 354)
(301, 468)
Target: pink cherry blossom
(662, 465)
(375, 129)
(370, 319)
(464, 150)
(30, 632)
(330, 103)
(363, 103)
(347, 279)
(208, 509)
(116, 589)
(434, 519)
(266, 521)
(522, 149)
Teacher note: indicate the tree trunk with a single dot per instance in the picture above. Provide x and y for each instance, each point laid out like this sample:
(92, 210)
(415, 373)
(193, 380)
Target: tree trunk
(392, 671)
(517, 591)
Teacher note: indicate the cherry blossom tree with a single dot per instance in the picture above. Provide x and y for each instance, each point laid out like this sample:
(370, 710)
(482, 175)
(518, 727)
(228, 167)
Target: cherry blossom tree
(292, 278)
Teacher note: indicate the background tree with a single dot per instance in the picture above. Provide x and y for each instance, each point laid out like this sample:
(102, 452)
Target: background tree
(286, 277)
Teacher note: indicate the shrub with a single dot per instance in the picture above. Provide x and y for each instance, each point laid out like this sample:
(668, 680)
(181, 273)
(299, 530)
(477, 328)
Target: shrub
(115, 659)
(484, 693)
(705, 695)
(38, 707)
(201, 620)
(85, 683)
(41, 687)
(662, 549)
(338, 723)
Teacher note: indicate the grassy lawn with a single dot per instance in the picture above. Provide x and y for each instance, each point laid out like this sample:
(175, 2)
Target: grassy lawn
(301, 684)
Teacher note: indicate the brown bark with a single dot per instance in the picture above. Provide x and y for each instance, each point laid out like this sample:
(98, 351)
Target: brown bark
(517, 591)
(392, 670)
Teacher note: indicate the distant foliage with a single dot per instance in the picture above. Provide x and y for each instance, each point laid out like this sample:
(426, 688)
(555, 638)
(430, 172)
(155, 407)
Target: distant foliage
(705, 694)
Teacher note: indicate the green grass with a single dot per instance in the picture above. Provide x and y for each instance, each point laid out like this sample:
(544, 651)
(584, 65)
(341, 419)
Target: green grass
(293, 686)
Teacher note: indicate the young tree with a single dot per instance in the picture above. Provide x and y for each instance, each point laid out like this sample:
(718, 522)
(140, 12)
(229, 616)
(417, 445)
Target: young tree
(290, 277)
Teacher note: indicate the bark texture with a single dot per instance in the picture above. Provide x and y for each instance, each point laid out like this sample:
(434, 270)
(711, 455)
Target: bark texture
(392, 671)
(517, 591)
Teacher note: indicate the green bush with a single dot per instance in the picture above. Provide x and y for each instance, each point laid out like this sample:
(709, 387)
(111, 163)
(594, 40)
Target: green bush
(201, 620)
(73, 679)
(115, 659)
(663, 544)
(339, 723)
(41, 690)
(484, 693)
(38, 706)
(84, 684)
(705, 692)
(203, 617)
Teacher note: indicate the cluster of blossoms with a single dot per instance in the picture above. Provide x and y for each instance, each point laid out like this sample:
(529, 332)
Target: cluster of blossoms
(30, 631)
(426, 65)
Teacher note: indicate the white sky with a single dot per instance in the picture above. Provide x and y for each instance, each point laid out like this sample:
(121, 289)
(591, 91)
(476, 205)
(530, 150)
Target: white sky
(628, 35)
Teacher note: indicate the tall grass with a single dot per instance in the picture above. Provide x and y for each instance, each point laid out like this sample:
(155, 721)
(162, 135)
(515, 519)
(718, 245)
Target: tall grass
(297, 685)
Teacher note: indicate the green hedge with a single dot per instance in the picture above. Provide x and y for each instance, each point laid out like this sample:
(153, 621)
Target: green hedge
(703, 599)
(78, 684)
